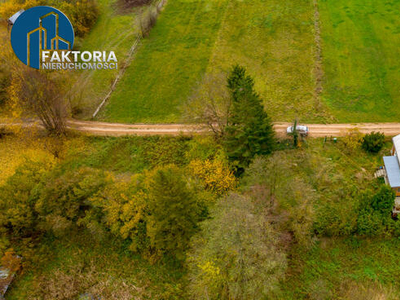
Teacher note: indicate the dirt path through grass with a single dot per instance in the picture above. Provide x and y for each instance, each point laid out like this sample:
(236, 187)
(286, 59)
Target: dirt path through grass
(316, 130)
(318, 70)
(120, 129)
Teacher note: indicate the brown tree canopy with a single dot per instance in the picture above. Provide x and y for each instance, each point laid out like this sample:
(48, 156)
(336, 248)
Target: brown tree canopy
(42, 94)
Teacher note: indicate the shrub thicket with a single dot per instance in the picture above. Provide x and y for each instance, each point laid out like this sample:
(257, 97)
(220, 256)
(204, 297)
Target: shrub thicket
(82, 13)
(156, 212)
(374, 216)
(373, 142)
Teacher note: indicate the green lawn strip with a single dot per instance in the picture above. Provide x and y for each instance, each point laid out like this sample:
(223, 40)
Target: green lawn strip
(360, 55)
(274, 40)
(126, 154)
(112, 32)
(168, 64)
(133, 154)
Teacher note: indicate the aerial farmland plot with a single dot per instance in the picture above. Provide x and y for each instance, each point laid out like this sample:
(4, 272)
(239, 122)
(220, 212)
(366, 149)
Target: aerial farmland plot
(168, 64)
(275, 41)
(361, 42)
(206, 191)
(192, 39)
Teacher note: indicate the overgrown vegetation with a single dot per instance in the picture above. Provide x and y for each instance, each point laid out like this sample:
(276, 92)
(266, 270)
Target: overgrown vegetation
(129, 192)
(166, 218)
(82, 13)
(42, 95)
(237, 254)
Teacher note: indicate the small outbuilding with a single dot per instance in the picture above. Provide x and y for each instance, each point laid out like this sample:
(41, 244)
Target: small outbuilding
(11, 21)
(391, 172)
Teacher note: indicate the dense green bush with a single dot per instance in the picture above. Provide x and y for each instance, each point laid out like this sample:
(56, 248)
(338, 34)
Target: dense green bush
(383, 201)
(373, 142)
(18, 198)
(374, 216)
(63, 198)
(369, 222)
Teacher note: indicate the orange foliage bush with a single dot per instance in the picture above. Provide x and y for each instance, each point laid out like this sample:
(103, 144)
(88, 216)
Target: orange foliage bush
(7, 9)
(215, 175)
(11, 261)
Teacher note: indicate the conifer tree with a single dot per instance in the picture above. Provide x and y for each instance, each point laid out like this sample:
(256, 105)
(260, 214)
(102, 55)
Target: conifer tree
(250, 131)
(174, 212)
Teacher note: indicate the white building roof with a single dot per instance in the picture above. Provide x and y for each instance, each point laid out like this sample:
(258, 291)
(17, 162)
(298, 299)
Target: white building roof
(396, 145)
(15, 17)
(396, 142)
(392, 170)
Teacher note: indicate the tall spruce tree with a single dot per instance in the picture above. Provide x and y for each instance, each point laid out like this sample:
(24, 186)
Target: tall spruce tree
(249, 131)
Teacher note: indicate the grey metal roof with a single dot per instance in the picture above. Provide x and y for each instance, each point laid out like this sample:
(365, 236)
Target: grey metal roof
(15, 16)
(392, 170)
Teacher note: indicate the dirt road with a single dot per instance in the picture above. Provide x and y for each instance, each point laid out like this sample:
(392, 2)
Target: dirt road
(117, 129)
(316, 130)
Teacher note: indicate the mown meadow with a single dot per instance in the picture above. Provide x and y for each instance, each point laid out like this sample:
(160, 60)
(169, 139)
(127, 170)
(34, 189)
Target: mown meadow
(168, 64)
(361, 42)
(114, 30)
(276, 41)
(193, 40)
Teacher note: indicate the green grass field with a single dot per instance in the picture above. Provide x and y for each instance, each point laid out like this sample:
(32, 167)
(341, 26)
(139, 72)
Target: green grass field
(113, 31)
(168, 64)
(361, 42)
(273, 39)
(345, 269)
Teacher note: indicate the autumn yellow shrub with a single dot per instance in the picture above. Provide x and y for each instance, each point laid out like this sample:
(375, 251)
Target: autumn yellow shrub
(124, 208)
(11, 261)
(14, 152)
(214, 174)
(8, 8)
(82, 14)
(352, 140)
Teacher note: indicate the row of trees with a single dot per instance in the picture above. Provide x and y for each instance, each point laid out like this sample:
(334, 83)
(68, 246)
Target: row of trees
(157, 211)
